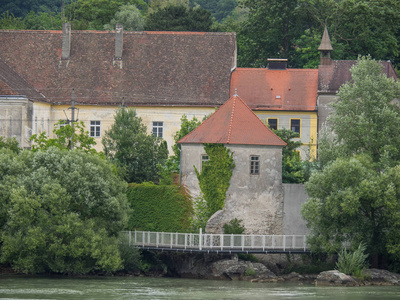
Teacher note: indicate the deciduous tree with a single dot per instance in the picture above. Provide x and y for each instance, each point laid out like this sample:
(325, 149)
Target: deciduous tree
(60, 211)
(128, 145)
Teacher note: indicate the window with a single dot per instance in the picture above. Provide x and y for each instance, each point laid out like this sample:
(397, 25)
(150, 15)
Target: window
(295, 125)
(158, 129)
(254, 165)
(204, 158)
(273, 123)
(95, 128)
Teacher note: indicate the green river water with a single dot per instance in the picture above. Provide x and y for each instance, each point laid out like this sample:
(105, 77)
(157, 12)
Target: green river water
(16, 287)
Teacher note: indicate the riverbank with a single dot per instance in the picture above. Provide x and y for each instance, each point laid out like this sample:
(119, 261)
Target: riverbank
(219, 267)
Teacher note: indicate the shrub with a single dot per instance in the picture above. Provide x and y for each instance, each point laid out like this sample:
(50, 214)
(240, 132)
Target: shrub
(234, 227)
(352, 263)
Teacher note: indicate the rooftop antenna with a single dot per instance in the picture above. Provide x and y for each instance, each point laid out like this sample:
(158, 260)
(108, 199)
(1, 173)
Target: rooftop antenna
(236, 95)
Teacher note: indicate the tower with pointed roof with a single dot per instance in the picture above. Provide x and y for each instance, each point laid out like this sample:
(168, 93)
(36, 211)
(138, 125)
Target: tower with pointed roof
(255, 194)
(326, 48)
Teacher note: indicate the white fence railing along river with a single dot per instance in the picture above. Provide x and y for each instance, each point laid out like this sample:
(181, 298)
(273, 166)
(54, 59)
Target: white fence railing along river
(206, 242)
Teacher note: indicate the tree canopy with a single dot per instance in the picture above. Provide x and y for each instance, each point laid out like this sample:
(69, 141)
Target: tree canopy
(179, 18)
(60, 211)
(354, 197)
(128, 145)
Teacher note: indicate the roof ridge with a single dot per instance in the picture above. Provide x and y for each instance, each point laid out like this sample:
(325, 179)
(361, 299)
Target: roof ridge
(231, 120)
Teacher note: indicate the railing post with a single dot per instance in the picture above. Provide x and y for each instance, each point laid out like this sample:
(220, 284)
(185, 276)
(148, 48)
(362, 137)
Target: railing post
(252, 241)
(157, 236)
(232, 241)
(222, 242)
(273, 242)
(304, 243)
(171, 238)
(293, 242)
(211, 241)
(284, 242)
(200, 241)
(129, 238)
(185, 239)
(242, 242)
(263, 241)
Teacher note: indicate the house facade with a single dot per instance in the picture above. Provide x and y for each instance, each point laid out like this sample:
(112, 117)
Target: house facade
(255, 194)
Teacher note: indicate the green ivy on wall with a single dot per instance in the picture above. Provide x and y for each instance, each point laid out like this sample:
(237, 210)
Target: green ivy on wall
(165, 208)
(214, 179)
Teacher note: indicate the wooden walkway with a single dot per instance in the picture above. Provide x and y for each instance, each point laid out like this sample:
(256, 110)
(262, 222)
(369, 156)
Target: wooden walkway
(216, 243)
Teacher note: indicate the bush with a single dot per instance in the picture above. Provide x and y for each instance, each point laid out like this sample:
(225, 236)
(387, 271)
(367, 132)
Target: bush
(352, 263)
(234, 227)
(164, 208)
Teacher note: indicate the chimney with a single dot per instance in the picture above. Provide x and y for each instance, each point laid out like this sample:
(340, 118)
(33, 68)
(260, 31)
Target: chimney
(277, 63)
(66, 41)
(119, 41)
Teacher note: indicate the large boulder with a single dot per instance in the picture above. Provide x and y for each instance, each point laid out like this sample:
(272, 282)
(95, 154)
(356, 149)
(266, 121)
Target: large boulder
(335, 278)
(381, 277)
(241, 270)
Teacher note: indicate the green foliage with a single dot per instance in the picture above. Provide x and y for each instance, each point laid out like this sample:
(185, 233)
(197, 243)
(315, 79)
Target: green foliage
(234, 227)
(60, 211)
(128, 15)
(94, 14)
(9, 21)
(67, 137)
(354, 196)
(43, 21)
(9, 143)
(179, 18)
(352, 262)
(250, 272)
(131, 256)
(215, 176)
(128, 145)
(219, 9)
(164, 208)
(367, 117)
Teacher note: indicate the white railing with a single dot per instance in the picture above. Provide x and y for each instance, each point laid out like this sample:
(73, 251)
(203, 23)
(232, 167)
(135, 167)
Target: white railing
(216, 242)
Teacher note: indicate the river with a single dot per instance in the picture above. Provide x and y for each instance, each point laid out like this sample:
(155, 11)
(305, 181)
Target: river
(17, 287)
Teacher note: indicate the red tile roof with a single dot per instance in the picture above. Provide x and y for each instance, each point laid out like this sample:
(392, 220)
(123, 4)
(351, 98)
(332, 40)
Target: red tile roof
(264, 89)
(158, 68)
(233, 123)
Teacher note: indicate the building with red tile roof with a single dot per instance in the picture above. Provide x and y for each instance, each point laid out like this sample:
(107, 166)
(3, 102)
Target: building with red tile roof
(283, 98)
(255, 194)
(233, 123)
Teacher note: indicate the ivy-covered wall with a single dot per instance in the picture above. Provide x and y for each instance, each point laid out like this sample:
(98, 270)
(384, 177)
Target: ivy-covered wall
(165, 208)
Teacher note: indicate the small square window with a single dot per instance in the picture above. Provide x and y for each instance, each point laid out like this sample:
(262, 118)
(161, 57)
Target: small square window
(295, 125)
(95, 128)
(204, 158)
(158, 129)
(273, 123)
(254, 165)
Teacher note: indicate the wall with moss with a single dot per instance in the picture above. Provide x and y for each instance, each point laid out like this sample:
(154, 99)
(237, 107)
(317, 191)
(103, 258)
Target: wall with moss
(164, 208)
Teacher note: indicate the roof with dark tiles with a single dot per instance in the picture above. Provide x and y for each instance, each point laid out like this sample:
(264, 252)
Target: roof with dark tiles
(284, 90)
(13, 84)
(233, 123)
(331, 77)
(158, 68)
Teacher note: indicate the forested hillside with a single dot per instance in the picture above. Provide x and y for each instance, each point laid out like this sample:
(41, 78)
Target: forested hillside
(265, 28)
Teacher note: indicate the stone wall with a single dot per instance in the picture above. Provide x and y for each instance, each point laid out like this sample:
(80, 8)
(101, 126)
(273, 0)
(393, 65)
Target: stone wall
(294, 197)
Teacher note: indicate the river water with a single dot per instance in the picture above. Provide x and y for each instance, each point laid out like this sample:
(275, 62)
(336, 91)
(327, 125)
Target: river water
(16, 287)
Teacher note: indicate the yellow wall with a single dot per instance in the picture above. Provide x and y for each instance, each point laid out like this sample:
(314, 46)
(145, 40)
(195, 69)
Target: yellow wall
(170, 116)
(46, 115)
(308, 128)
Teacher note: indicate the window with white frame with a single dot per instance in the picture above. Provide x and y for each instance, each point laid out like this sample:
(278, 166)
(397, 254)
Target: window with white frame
(254, 165)
(95, 128)
(158, 129)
